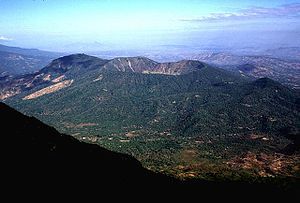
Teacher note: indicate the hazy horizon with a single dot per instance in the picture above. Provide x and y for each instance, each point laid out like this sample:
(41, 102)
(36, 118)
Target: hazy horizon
(72, 26)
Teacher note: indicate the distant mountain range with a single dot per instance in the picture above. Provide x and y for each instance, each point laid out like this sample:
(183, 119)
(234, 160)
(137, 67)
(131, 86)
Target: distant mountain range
(185, 118)
(74, 65)
(281, 64)
(285, 71)
(17, 61)
(285, 53)
(29, 52)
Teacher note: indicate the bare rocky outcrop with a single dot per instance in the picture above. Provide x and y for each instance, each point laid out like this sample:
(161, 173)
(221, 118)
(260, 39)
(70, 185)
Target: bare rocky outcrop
(50, 89)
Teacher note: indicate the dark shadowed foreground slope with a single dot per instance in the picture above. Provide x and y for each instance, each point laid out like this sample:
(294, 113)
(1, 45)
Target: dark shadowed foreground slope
(37, 152)
(35, 157)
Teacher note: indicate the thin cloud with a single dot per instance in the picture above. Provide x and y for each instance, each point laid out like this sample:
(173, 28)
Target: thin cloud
(288, 10)
(2, 38)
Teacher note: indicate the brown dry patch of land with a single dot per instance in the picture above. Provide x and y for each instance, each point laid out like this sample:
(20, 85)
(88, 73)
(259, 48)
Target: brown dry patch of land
(265, 165)
(58, 79)
(199, 168)
(80, 125)
(256, 164)
(50, 89)
(47, 77)
(188, 155)
(132, 134)
(259, 137)
(9, 93)
(187, 175)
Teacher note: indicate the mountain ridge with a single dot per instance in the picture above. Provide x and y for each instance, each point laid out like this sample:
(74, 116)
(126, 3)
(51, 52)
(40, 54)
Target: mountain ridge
(75, 64)
(204, 113)
(16, 61)
(26, 51)
(284, 71)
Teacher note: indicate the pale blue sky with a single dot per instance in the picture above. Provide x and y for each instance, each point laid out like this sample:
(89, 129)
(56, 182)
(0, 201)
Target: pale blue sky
(59, 24)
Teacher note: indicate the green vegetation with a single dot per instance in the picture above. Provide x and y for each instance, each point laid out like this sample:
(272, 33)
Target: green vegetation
(193, 125)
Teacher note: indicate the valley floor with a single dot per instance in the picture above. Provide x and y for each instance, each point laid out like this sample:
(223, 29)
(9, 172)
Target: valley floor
(192, 157)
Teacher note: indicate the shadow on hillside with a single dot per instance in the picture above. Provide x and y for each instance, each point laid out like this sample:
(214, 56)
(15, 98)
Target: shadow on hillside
(35, 157)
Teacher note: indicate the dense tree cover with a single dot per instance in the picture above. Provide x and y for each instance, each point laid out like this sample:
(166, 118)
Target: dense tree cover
(37, 159)
(209, 114)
